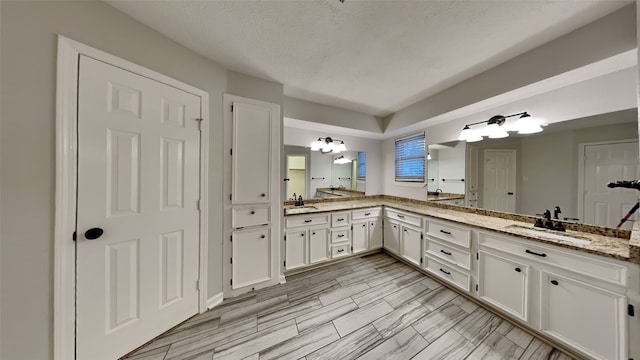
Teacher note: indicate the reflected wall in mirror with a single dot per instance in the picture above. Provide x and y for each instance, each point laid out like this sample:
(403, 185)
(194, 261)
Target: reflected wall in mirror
(446, 167)
(567, 165)
(297, 176)
(324, 178)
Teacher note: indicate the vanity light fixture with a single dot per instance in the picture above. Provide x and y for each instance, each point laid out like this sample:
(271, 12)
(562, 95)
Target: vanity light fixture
(328, 145)
(341, 160)
(495, 128)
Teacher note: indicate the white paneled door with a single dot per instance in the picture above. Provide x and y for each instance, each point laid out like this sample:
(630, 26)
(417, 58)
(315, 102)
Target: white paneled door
(138, 217)
(499, 180)
(605, 163)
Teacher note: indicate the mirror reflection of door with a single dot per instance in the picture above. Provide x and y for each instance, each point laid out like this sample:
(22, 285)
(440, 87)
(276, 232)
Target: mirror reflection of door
(297, 174)
(499, 180)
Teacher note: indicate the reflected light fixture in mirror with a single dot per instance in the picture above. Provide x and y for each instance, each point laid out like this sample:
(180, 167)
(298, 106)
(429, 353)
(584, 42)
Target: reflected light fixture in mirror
(341, 160)
(328, 145)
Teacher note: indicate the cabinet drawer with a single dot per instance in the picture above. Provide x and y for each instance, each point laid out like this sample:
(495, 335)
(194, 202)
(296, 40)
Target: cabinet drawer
(306, 220)
(250, 217)
(449, 233)
(339, 250)
(552, 255)
(448, 273)
(449, 254)
(340, 219)
(340, 235)
(404, 217)
(365, 213)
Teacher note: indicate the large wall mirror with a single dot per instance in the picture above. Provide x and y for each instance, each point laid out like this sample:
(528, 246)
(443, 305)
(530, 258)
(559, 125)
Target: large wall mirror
(313, 174)
(567, 165)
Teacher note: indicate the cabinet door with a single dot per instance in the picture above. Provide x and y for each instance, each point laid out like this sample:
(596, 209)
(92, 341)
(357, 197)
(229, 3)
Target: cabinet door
(360, 237)
(375, 234)
(584, 316)
(318, 245)
(503, 283)
(411, 244)
(295, 249)
(251, 168)
(392, 236)
(251, 262)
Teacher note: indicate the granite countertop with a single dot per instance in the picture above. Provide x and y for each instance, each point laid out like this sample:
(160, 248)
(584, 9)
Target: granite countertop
(618, 244)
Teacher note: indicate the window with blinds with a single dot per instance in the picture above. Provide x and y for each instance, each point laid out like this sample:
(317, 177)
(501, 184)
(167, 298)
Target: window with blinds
(362, 165)
(410, 158)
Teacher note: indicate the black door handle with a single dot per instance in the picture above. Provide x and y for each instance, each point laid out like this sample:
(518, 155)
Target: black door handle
(518, 270)
(93, 233)
(554, 282)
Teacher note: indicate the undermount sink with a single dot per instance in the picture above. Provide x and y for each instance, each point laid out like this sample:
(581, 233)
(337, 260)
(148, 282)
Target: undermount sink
(301, 209)
(547, 234)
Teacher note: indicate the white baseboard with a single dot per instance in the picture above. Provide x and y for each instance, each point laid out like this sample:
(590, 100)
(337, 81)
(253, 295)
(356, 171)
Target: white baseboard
(282, 279)
(214, 301)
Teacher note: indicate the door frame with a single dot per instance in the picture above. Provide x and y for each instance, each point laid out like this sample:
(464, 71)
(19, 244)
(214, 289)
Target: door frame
(306, 173)
(64, 274)
(582, 147)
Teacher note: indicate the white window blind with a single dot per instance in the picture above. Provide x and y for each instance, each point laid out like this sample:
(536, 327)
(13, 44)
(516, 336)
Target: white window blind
(410, 158)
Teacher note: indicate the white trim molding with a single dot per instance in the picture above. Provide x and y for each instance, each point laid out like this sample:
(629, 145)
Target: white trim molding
(64, 275)
(215, 301)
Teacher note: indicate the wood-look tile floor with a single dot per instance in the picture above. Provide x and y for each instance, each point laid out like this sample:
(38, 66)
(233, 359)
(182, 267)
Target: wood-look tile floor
(373, 307)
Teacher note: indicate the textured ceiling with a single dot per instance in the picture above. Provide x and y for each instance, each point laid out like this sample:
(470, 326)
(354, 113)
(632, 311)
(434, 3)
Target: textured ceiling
(375, 57)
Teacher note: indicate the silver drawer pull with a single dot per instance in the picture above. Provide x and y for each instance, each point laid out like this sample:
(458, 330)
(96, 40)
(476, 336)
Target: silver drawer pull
(445, 252)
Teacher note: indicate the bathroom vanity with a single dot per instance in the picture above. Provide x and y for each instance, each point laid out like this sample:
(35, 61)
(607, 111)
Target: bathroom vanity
(578, 288)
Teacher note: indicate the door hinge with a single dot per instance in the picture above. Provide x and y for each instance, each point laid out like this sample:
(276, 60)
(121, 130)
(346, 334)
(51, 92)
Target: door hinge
(231, 238)
(74, 236)
(198, 205)
(285, 238)
(631, 310)
(230, 281)
(231, 260)
(421, 259)
(476, 287)
(421, 236)
(199, 123)
(229, 196)
(284, 263)
(231, 107)
(197, 285)
(477, 256)
(352, 248)
(230, 151)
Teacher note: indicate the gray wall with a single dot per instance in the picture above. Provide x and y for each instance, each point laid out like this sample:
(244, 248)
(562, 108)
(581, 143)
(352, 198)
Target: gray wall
(27, 168)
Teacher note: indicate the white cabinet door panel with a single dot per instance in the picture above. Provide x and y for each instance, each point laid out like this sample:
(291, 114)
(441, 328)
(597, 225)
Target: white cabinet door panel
(392, 236)
(411, 244)
(375, 234)
(504, 283)
(584, 316)
(296, 249)
(251, 257)
(251, 177)
(360, 237)
(318, 245)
